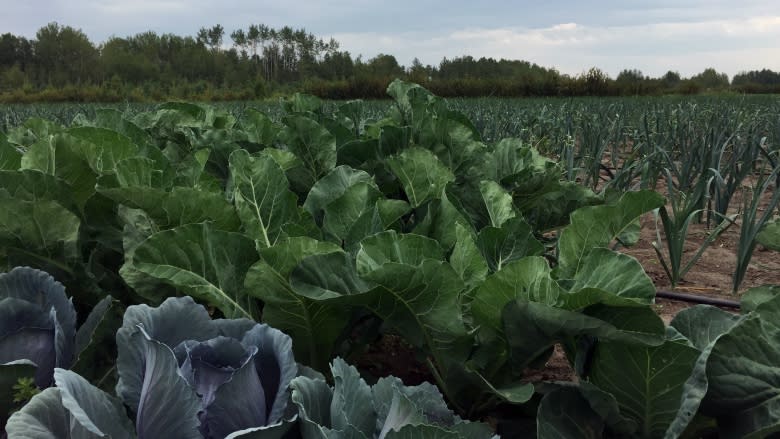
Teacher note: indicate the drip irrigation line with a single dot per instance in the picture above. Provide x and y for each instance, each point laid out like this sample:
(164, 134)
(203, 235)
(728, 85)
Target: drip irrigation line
(697, 299)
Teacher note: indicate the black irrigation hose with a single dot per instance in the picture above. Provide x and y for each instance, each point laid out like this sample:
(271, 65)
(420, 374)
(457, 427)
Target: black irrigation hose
(697, 299)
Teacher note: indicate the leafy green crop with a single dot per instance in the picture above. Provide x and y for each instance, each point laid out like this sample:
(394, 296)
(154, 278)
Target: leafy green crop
(342, 227)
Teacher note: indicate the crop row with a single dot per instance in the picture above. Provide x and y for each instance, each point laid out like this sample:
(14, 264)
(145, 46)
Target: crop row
(225, 271)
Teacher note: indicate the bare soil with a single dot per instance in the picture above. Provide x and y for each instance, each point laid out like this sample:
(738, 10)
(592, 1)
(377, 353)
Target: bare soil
(712, 274)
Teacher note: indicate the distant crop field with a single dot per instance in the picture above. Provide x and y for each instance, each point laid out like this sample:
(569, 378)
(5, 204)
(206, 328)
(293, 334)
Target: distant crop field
(546, 120)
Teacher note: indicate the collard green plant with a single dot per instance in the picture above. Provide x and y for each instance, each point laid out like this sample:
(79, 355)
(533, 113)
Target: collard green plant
(483, 255)
(769, 236)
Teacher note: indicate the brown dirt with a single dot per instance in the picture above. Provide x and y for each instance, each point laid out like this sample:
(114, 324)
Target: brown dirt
(712, 274)
(557, 368)
(391, 355)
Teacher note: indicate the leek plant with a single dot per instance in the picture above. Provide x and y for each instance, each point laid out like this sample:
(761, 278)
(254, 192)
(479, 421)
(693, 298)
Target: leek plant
(753, 223)
(675, 223)
(735, 161)
(687, 168)
(597, 133)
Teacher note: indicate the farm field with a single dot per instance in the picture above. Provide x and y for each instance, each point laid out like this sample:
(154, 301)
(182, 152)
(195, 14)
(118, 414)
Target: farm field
(506, 252)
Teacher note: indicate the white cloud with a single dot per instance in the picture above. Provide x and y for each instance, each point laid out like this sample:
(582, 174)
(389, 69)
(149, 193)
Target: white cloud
(729, 45)
(138, 7)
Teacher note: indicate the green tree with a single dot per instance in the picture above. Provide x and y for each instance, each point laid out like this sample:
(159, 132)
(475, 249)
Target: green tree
(418, 72)
(212, 37)
(630, 82)
(384, 66)
(64, 55)
(710, 79)
(595, 82)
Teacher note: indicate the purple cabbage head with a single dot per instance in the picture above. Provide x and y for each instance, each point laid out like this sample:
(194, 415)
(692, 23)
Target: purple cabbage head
(238, 369)
(37, 323)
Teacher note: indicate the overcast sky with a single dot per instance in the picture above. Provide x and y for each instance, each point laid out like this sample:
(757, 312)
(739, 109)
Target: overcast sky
(652, 36)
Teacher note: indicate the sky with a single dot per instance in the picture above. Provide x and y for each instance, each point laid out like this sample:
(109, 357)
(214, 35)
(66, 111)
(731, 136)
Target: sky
(686, 36)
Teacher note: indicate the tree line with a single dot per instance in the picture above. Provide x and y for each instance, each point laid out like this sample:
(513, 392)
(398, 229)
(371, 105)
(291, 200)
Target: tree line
(62, 64)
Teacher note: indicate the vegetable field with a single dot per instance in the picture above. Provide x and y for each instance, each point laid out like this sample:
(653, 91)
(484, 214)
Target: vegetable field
(190, 271)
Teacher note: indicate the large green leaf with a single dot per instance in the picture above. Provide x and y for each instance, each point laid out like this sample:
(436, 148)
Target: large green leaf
(262, 197)
(702, 325)
(10, 157)
(314, 325)
(597, 226)
(311, 142)
(177, 207)
(510, 158)
(755, 296)
(647, 381)
(40, 233)
(614, 273)
(344, 212)
(327, 276)
(60, 156)
(407, 249)
(115, 120)
(534, 181)
(742, 371)
(769, 236)
(531, 328)
(140, 172)
(423, 303)
(466, 258)
(288, 253)
(440, 221)
(382, 216)
(455, 140)
(411, 102)
(32, 130)
(512, 241)
(422, 175)
(259, 128)
(332, 187)
(33, 185)
(565, 414)
(79, 157)
(526, 279)
(198, 260)
(101, 147)
(302, 103)
(498, 202)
